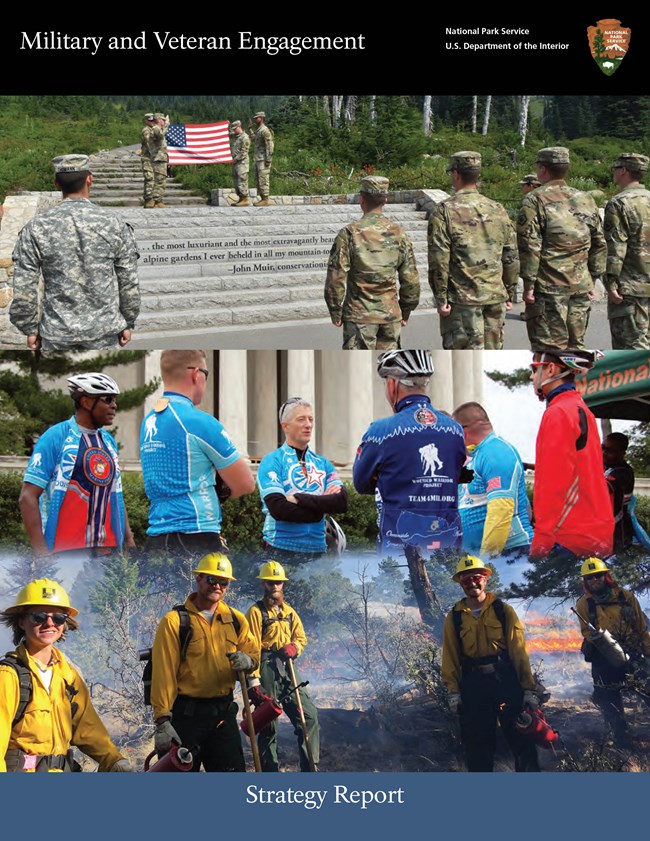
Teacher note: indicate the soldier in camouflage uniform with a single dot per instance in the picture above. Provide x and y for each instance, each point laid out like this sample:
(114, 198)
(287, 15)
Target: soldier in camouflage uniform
(240, 144)
(562, 251)
(361, 268)
(154, 158)
(529, 183)
(473, 262)
(88, 259)
(627, 231)
(263, 139)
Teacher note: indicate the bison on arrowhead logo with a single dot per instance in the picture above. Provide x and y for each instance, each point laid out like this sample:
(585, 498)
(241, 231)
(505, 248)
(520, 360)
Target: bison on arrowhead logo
(609, 43)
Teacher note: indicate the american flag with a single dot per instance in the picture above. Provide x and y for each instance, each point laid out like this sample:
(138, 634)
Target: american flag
(204, 144)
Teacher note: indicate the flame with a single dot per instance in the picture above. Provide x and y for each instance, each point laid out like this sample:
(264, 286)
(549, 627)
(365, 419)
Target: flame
(552, 633)
(568, 643)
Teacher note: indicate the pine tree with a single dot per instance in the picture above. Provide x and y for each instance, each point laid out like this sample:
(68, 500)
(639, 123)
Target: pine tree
(28, 407)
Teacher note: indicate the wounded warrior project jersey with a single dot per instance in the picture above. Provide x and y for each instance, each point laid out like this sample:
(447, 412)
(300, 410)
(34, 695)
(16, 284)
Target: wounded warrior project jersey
(412, 461)
(282, 472)
(181, 448)
(498, 474)
(81, 504)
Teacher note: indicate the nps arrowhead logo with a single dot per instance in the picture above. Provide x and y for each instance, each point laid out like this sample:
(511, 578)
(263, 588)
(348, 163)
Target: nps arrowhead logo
(609, 43)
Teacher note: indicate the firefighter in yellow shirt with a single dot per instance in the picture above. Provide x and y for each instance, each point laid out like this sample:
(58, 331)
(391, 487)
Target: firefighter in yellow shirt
(486, 670)
(45, 706)
(280, 637)
(192, 689)
(607, 607)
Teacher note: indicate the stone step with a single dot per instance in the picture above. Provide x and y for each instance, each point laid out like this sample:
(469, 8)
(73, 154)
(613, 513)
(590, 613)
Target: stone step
(218, 242)
(151, 323)
(281, 230)
(192, 264)
(134, 201)
(247, 214)
(229, 299)
(116, 170)
(158, 301)
(157, 284)
(133, 187)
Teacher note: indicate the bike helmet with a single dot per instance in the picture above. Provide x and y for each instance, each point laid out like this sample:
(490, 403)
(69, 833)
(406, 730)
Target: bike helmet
(404, 364)
(334, 537)
(81, 385)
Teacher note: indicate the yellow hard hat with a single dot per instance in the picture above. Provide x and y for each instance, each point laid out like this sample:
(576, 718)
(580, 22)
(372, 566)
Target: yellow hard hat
(470, 563)
(42, 591)
(272, 571)
(592, 565)
(215, 564)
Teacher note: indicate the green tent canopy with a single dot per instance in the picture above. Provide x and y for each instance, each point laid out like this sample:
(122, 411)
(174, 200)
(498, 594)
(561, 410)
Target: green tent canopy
(618, 386)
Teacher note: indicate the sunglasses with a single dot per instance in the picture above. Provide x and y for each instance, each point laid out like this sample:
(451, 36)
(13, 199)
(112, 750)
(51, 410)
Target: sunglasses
(290, 402)
(471, 579)
(40, 617)
(196, 368)
(109, 399)
(218, 582)
(594, 576)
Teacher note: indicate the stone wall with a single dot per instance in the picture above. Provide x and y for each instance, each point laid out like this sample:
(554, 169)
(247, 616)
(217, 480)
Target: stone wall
(18, 210)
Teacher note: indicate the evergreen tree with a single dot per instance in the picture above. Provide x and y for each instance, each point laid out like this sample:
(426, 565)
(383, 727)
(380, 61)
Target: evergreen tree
(599, 43)
(28, 406)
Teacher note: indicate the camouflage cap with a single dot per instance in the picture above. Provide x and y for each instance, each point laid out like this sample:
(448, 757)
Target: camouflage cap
(465, 162)
(376, 185)
(633, 161)
(149, 116)
(530, 179)
(159, 115)
(235, 124)
(553, 155)
(71, 163)
(260, 114)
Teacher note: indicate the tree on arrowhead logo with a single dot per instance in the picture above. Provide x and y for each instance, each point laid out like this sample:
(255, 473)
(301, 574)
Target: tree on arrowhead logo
(609, 43)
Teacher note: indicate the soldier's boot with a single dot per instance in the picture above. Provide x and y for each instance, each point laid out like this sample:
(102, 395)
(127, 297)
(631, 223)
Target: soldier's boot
(263, 202)
(149, 203)
(161, 204)
(232, 199)
(244, 202)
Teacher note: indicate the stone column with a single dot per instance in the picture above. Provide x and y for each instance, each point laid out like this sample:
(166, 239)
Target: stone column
(262, 402)
(301, 381)
(442, 382)
(479, 367)
(345, 382)
(233, 396)
(463, 372)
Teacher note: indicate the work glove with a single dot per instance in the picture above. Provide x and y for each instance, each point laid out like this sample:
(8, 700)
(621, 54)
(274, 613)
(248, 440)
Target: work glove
(121, 765)
(530, 699)
(256, 696)
(288, 652)
(454, 702)
(240, 661)
(164, 736)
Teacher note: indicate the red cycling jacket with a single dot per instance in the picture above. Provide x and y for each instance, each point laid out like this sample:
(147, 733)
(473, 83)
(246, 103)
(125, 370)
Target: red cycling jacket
(571, 501)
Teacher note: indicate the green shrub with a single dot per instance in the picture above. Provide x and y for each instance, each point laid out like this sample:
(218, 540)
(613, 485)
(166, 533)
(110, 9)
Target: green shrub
(242, 517)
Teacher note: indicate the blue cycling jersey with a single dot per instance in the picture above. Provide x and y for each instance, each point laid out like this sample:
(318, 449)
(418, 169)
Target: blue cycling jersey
(283, 472)
(79, 472)
(181, 448)
(498, 474)
(412, 462)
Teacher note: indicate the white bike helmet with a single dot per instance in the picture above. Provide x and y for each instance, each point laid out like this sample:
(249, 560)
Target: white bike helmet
(403, 364)
(334, 537)
(80, 385)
